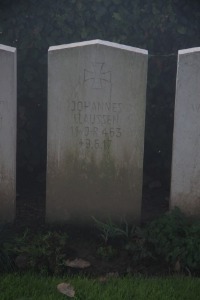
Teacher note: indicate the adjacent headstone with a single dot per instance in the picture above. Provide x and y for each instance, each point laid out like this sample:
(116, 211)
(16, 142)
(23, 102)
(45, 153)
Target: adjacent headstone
(8, 97)
(96, 116)
(185, 181)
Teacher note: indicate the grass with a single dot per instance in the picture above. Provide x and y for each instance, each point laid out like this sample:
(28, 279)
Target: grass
(32, 287)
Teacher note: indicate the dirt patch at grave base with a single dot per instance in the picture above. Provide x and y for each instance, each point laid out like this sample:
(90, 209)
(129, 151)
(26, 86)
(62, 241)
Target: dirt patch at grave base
(86, 243)
(122, 263)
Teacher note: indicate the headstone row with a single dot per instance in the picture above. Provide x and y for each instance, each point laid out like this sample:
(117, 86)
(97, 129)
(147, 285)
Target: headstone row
(95, 140)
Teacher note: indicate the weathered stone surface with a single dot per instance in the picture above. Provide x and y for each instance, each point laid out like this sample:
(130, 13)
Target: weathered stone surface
(185, 181)
(8, 97)
(96, 115)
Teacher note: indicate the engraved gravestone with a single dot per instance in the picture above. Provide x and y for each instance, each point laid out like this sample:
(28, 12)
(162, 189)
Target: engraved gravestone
(96, 115)
(8, 95)
(185, 181)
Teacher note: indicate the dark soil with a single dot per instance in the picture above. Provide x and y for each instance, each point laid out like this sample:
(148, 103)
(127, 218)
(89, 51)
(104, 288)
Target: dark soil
(85, 242)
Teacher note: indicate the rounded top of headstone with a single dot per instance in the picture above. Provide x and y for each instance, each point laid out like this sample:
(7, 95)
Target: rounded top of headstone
(7, 48)
(99, 42)
(189, 50)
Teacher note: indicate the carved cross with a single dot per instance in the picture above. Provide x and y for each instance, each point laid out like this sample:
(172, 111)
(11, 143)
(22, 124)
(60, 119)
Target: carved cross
(97, 75)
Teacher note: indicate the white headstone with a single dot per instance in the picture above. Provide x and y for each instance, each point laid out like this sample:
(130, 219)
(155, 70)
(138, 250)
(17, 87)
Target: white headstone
(96, 116)
(185, 181)
(8, 126)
